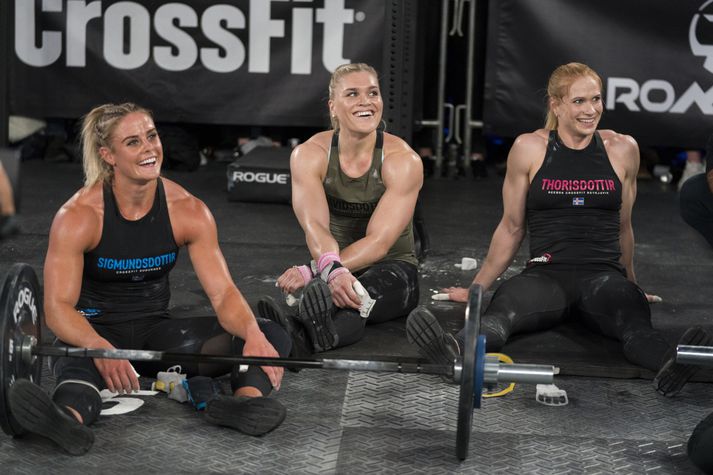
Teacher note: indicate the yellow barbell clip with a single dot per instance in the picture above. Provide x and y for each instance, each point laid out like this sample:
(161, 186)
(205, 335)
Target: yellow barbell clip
(503, 358)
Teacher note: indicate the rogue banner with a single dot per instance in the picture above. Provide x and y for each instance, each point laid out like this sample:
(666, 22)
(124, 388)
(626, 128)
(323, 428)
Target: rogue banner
(256, 62)
(655, 58)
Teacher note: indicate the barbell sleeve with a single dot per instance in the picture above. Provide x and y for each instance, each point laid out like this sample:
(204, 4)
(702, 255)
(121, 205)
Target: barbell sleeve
(518, 373)
(696, 355)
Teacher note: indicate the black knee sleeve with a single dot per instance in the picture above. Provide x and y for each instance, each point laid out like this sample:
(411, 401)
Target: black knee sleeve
(81, 396)
(394, 287)
(255, 376)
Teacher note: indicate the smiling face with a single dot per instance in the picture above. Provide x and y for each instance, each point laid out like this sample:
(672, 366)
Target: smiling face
(357, 102)
(580, 109)
(135, 150)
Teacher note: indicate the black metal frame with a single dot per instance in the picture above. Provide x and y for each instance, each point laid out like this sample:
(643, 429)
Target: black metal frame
(399, 66)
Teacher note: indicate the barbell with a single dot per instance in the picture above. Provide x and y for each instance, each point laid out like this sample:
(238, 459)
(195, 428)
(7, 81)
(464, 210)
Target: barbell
(21, 353)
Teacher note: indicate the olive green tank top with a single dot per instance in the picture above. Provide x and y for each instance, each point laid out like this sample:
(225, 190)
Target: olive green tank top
(352, 201)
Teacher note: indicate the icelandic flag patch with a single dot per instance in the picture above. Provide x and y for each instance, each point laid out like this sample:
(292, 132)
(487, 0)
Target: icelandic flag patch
(578, 201)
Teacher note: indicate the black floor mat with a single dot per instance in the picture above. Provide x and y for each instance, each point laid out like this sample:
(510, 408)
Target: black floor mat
(576, 350)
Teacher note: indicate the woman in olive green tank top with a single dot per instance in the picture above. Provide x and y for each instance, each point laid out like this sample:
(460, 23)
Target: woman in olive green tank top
(354, 189)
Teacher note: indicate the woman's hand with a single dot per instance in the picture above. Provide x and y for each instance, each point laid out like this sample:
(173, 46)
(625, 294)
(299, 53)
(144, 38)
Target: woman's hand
(257, 345)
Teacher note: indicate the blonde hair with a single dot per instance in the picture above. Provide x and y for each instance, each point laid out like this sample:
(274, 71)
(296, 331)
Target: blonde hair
(337, 76)
(97, 128)
(558, 86)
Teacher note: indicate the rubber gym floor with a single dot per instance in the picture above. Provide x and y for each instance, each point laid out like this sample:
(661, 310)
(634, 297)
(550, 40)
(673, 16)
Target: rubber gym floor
(360, 422)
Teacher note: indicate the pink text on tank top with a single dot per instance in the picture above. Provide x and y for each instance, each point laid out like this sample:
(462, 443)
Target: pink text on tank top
(577, 185)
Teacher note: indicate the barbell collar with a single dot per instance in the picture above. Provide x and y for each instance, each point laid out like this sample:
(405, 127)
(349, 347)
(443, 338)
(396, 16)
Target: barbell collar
(696, 355)
(519, 373)
(29, 342)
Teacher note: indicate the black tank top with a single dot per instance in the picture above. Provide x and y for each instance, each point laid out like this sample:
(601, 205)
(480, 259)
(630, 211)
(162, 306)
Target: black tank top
(126, 275)
(573, 206)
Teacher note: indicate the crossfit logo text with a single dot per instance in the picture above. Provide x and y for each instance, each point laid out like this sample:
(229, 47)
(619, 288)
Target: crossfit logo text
(127, 28)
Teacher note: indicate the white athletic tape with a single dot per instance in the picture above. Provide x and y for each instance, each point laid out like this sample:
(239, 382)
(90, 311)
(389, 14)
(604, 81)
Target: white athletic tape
(291, 300)
(440, 297)
(359, 289)
(367, 303)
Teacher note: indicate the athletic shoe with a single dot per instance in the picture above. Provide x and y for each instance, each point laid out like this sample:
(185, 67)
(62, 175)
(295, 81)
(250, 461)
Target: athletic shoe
(315, 313)
(33, 409)
(673, 376)
(201, 390)
(434, 344)
(249, 415)
(301, 347)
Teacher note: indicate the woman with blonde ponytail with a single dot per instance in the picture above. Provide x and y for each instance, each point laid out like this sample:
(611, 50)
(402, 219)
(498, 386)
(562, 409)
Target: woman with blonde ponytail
(354, 190)
(573, 186)
(97, 127)
(111, 248)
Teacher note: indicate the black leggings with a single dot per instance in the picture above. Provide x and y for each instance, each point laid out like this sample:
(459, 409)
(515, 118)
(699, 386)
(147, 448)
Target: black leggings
(160, 333)
(394, 286)
(602, 298)
(696, 202)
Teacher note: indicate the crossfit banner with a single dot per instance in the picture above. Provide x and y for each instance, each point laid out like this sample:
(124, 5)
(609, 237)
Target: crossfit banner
(655, 58)
(256, 62)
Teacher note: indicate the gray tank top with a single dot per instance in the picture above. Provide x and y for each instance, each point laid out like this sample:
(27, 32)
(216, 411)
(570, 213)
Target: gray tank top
(352, 201)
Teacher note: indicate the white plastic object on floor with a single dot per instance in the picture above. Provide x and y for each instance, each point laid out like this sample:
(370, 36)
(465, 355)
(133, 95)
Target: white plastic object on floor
(551, 395)
(467, 263)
